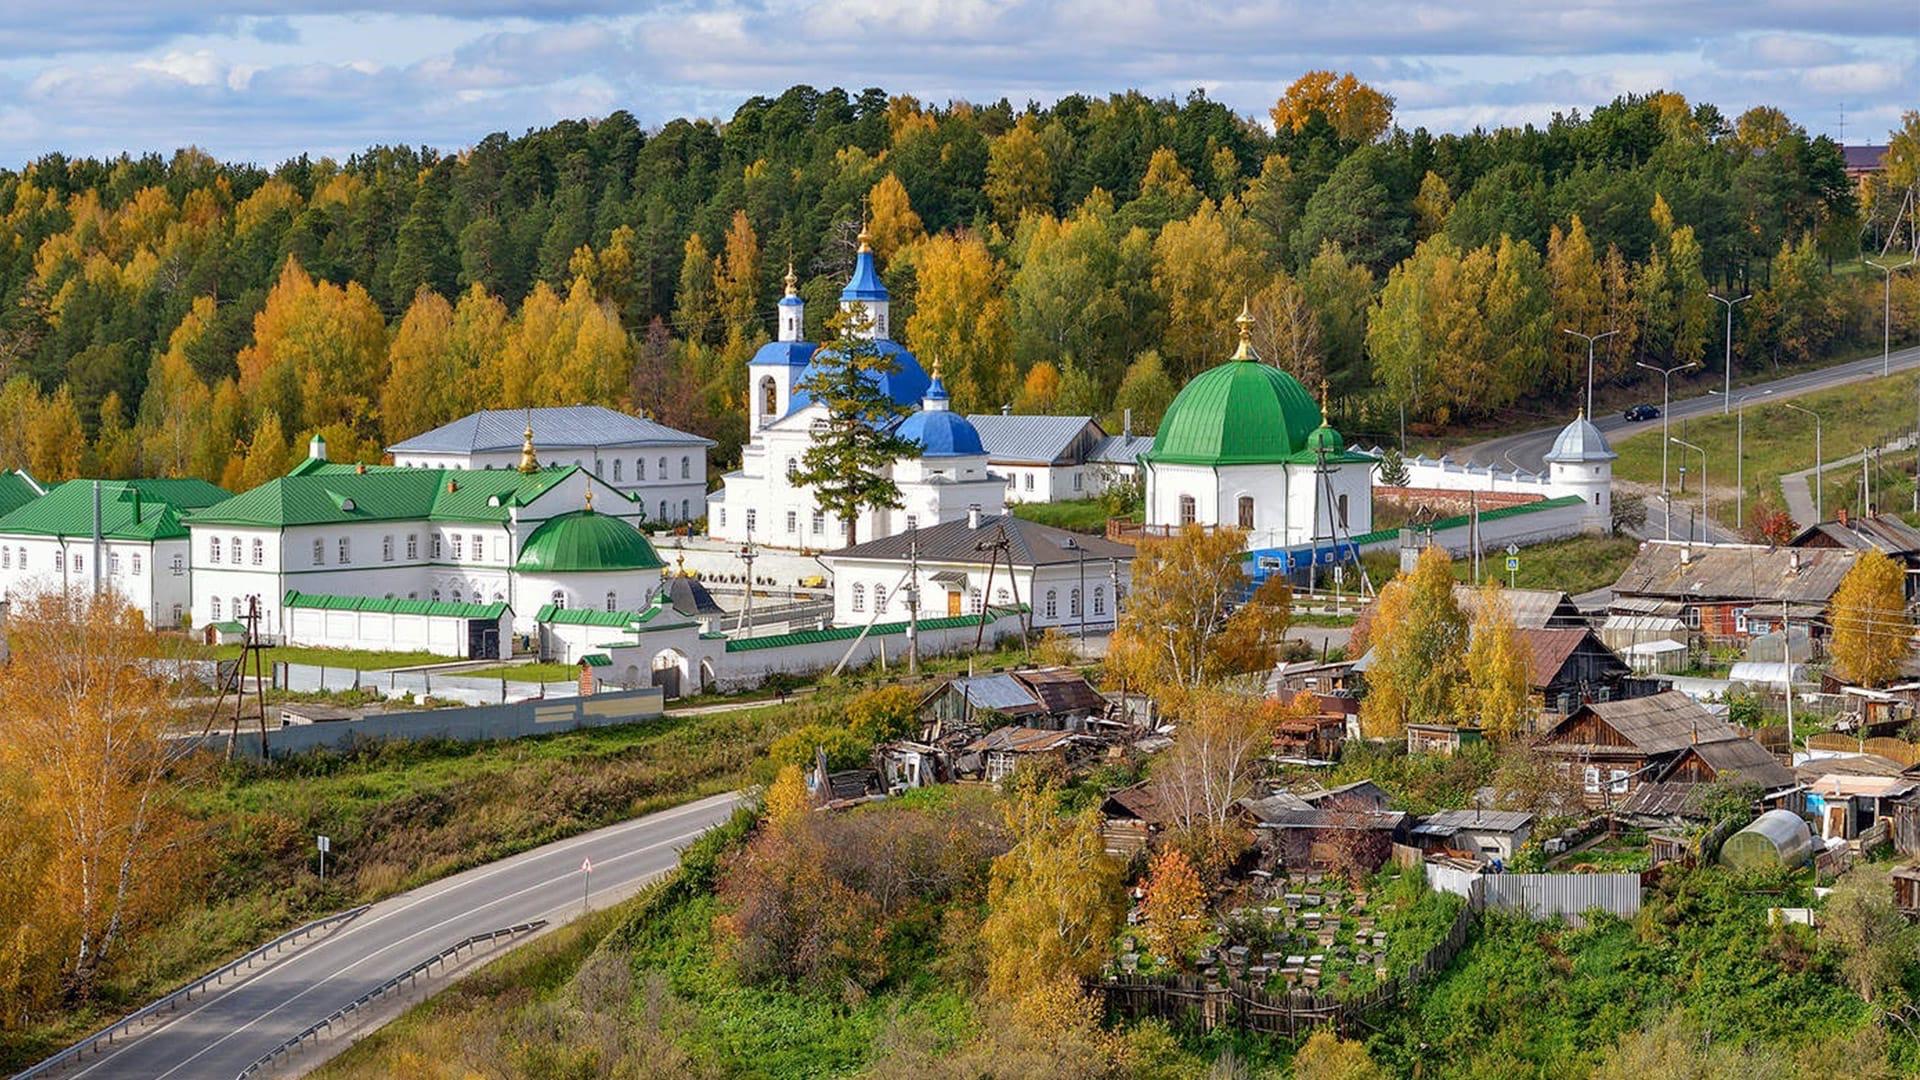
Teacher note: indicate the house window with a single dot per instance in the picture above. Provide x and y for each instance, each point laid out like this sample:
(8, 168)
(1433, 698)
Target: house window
(1187, 514)
(386, 548)
(234, 546)
(479, 547)
(136, 564)
(1077, 484)
(639, 468)
(1592, 780)
(213, 549)
(179, 565)
(436, 595)
(612, 601)
(1246, 511)
(663, 470)
(1617, 781)
(1029, 481)
(1073, 603)
(79, 563)
(346, 550)
(793, 521)
(1053, 606)
(1693, 618)
(913, 522)
(213, 608)
(456, 596)
(793, 468)
(616, 470)
(859, 597)
(880, 599)
(176, 614)
(684, 510)
(1099, 600)
(113, 564)
(459, 547)
(319, 553)
(686, 468)
(819, 522)
(1740, 620)
(1000, 596)
(1343, 511)
(259, 552)
(413, 546)
(436, 547)
(723, 517)
(751, 518)
(973, 601)
(559, 598)
(59, 562)
(663, 509)
(1000, 765)
(6, 558)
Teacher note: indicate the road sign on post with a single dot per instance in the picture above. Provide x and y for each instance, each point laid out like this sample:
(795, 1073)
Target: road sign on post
(586, 877)
(325, 844)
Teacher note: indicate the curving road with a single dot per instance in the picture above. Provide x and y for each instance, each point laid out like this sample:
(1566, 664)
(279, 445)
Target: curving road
(220, 1035)
(1528, 449)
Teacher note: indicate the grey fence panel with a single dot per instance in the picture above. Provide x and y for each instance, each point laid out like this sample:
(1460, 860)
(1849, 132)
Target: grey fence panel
(1546, 896)
(339, 680)
(407, 682)
(560, 689)
(304, 678)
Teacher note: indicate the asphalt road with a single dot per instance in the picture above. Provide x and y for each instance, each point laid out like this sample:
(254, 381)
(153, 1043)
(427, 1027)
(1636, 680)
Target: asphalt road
(217, 1037)
(1528, 450)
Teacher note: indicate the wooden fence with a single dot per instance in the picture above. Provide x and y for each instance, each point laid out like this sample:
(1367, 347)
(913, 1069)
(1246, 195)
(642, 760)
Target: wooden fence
(1898, 750)
(1207, 1004)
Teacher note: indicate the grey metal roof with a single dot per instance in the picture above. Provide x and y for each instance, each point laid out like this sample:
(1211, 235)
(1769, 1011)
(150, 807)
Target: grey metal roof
(1703, 572)
(1879, 532)
(999, 692)
(1578, 443)
(1033, 440)
(1029, 543)
(1657, 724)
(1120, 449)
(1448, 822)
(1533, 609)
(567, 427)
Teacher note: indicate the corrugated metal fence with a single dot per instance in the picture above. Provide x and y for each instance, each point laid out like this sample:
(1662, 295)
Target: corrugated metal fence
(1569, 896)
(308, 678)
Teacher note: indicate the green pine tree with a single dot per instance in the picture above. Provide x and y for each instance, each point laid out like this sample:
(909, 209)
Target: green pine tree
(847, 465)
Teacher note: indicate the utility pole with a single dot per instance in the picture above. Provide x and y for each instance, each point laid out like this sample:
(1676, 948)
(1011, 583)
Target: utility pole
(1886, 309)
(1590, 339)
(1703, 485)
(1727, 393)
(747, 555)
(913, 601)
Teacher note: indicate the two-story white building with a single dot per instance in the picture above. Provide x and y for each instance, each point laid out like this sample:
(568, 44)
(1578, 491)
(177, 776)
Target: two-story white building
(123, 535)
(665, 470)
(526, 537)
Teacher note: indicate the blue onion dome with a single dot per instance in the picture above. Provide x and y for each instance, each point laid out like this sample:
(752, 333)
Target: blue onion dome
(865, 285)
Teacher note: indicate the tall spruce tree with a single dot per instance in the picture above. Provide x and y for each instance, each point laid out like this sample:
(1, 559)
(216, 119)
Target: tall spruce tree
(847, 465)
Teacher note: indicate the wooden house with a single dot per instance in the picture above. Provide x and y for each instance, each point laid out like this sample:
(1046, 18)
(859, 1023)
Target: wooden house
(1566, 667)
(994, 756)
(1615, 747)
(1130, 819)
(1440, 738)
(1713, 588)
(1678, 793)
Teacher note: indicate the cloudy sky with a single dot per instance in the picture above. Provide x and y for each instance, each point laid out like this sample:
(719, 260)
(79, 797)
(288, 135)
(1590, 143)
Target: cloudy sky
(260, 81)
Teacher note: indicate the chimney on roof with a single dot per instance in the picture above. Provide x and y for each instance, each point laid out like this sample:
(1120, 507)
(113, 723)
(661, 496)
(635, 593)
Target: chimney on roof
(317, 447)
(1006, 410)
(973, 515)
(1686, 554)
(1126, 423)
(1793, 561)
(360, 468)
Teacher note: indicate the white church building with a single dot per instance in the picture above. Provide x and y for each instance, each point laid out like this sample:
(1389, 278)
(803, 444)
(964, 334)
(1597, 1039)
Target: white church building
(762, 502)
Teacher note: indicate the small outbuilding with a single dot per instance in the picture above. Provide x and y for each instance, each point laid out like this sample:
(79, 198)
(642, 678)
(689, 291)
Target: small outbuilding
(1776, 839)
(1491, 834)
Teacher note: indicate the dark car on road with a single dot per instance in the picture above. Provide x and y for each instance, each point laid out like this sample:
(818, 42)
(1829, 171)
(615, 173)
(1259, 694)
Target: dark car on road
(1642, 412)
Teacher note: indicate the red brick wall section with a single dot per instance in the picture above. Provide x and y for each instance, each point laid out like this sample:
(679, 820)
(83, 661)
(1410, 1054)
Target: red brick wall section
(1449, 502)
(586, 680)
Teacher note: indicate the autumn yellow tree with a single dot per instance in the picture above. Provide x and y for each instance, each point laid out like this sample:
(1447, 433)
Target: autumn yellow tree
(1038, 390)
(1578, 299)
(1253, 635)
(1418, 639)
(1175, 906)
(1053, 898)
(1204, 277)
(173, 411)
(1168, 635)
(1019, 174)
(1872, 632)
(1431, 206)
(1327, 1056)
(1286, 329)
(56, 443)
(1494, 692)
(318, 354)
(1357, 112)
(1219, 743)
(420, 376)
(736, 277)
(960, 322)
(786, 798)
(891, 221)
(84, 744)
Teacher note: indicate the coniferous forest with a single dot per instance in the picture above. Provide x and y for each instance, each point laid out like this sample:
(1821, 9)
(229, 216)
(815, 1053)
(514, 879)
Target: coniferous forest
(181, 316)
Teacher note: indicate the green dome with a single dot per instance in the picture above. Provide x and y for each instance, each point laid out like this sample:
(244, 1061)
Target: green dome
(586, 541)
(1242, 412)
(1324, 438)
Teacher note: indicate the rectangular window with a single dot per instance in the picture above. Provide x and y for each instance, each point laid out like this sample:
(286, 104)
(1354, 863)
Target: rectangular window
(639, 468)
(179, 565)
(436, 546)
(413, 547)
(459, 547)
(319, 553)
(751, 515)
(1343, 511)
(79, 564)
(1592, 780)
(479, 547)
(913, 521)
(259, 552)
(793, 521)
(819, 522)
(1619, 781)
(1029, 481)
(346, 551)
(386, 548)
(136, 564)
(213, 549)
(1077, 483)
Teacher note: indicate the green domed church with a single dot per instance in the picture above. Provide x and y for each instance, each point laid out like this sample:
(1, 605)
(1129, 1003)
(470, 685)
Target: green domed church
(1245, 445)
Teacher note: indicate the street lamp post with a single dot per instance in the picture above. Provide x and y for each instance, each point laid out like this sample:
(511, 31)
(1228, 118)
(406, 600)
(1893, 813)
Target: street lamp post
(1819, 475)
(1590, 339)
(1703, 483)
(1080, 606)
(1886, 309)
(1666, 398)
(1740, 455)
(1728, 392)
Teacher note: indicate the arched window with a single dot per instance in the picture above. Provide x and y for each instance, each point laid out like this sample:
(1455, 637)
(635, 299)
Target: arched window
(1053, 605)
(769, 397)
(684, 509)
(213, 550)
(1099, 600)
(436, 596)
(1246, 511)
(559, 598)
(663, 468)
(880, 599)
(663, 509)
(1000, 596)
(973, 601)
(640, 468)
(612, 603)
(456, 596)
(859, 597)
(617, 463)
(259, 553)
(793, 468)
(1343, 511)
(1073, 603)
(686, 468)
(214, 609)
(1186, 510)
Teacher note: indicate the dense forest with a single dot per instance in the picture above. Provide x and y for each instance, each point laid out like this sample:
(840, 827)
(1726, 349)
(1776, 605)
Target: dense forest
(183, 316)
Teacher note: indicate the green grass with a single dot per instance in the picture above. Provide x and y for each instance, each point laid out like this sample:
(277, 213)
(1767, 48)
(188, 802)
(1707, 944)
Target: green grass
(526, 673)
(358, 659)
(1079, 515)
(1778, 441)
(1574, 565)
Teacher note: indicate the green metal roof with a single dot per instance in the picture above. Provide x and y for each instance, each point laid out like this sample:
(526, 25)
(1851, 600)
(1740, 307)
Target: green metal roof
(319, 492)
(129, 509)
(17, 489)
(848, 633)
(598, 659)
(1242, 412)
(391, 606)
(1379, 536)
(585, 541)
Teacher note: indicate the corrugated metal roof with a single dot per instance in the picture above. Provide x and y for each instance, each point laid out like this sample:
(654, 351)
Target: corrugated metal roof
(1533, 609)
(129, 509)
(1062, 691)
(1381, 536)
(1029, 544)
(1751, 761)
(1658, 724)
(1700, 572)
(1448, 822)
(394, 606)
(847, 633)
(567, 427)
(999, 692)
(1021, 740)
(1032, 440)
(1549, 650)
(319, 493)
(17, 489)
(1120, 449)
(1877, 532)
